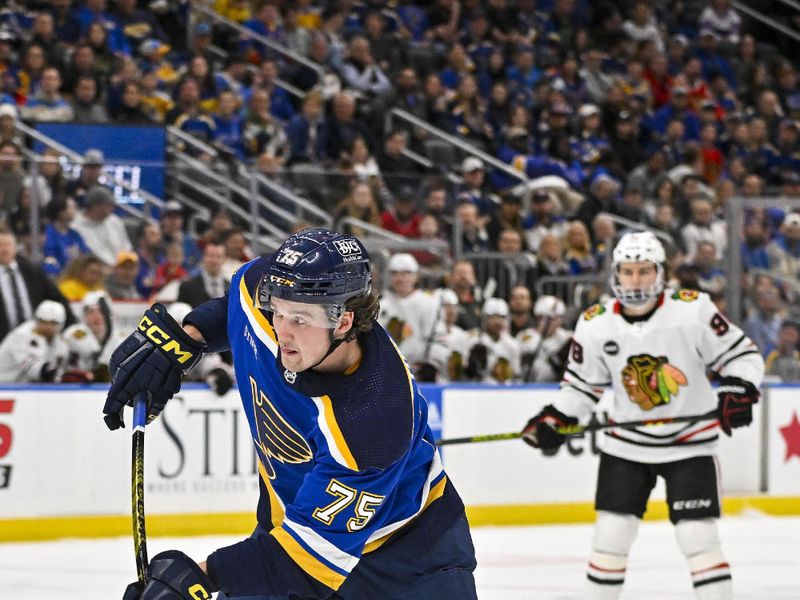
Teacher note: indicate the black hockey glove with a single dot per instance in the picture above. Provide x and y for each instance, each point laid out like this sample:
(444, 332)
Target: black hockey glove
(220, 380)
(151, 360)
(477, 362)
(736, 398)
(173, 576)
(540, 432)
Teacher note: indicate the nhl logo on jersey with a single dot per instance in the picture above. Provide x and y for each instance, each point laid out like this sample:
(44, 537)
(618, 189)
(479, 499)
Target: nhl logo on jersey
(651, 381)
(611, 347)
(289, 376)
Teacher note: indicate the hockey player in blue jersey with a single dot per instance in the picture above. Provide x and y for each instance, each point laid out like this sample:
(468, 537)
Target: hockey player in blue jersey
(354, 501)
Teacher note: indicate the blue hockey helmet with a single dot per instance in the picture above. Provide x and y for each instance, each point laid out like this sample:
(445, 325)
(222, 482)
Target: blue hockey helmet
(317, 266)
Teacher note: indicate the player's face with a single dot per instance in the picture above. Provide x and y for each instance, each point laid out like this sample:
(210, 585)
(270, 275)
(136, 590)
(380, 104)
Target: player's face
(637, 275)
(303, 332)
(402, 282)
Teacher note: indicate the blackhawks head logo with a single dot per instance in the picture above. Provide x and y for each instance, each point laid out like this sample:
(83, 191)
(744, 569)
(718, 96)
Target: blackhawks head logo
(501, 370)
(398, 329)
(651, 381)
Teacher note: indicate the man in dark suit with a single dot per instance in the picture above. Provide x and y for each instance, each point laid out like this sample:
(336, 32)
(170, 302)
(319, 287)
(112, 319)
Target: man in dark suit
(209, 283)
(23, 286)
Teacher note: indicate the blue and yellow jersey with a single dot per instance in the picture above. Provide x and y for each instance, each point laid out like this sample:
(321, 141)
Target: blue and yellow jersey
(346, 461)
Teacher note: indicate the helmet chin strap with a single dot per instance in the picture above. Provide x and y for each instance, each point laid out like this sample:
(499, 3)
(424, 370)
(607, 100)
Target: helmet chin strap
(334, 343)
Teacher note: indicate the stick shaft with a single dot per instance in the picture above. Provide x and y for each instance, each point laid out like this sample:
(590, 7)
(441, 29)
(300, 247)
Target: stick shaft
(572, 430)
(137, 488)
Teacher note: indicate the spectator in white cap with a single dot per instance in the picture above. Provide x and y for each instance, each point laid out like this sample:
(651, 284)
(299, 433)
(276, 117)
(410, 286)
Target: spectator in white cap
(784, 249)
(8, 124)
(34, 351)
(494, 355)
(407, 313)
(473, 190)
(591, 140)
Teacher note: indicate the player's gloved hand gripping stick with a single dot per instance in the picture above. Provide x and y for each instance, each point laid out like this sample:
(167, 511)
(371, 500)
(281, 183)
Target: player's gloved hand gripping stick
(150, 361)
(736, 398)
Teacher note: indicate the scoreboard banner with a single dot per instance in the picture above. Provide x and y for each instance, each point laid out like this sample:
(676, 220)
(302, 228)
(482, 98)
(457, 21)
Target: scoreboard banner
(135, 154)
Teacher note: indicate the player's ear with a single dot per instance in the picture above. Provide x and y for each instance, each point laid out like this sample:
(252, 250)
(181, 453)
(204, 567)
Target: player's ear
(346, 322)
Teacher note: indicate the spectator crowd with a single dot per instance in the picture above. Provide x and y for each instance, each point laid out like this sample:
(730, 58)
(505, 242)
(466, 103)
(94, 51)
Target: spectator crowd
(616, 115)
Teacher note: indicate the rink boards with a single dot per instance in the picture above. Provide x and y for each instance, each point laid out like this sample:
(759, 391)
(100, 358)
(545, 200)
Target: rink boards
(62, 473)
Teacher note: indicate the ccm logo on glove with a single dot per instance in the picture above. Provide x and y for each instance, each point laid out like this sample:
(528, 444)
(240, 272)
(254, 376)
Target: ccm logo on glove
(199, 592)
(157, 335)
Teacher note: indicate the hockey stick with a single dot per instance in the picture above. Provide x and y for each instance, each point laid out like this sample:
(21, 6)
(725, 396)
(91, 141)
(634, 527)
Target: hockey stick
(137, 487)
(570, 430)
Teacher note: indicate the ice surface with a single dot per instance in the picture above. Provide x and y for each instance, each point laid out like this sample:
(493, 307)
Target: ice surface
(515, 563)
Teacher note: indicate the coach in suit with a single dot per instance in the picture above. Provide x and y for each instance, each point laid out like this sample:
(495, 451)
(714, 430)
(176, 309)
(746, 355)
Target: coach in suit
(209, 283)
(23, 286)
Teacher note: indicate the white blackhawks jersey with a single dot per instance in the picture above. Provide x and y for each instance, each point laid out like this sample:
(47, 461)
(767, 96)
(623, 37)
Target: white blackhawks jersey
(449, 352)
(539, 355)
(24, 353)
(412, 322)
(502, 356)
(656, 369)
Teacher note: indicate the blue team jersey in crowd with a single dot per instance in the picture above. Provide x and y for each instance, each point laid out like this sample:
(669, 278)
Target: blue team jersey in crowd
(346, 460)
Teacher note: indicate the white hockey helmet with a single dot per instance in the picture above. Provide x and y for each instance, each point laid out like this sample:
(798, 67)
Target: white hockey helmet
(495, 307)
(640, 246)
(549, 306)
(179, 310)
(51, 311)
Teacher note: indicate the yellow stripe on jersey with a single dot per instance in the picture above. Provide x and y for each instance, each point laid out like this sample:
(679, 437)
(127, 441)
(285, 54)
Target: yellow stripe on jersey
(250, 306)
(275, 506)
(410, 379)
(436, 492)
(306, 561)
(338, 438)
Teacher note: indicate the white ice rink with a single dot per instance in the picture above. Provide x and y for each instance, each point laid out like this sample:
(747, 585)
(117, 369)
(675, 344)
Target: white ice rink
(514, 563)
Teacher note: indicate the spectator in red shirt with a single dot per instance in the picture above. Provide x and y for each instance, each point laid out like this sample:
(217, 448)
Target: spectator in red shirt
(660, 79)
(713, 161)
(172, 268)
(404, 217)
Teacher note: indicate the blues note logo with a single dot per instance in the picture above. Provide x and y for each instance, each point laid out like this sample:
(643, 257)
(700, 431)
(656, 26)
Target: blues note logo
(277, 439)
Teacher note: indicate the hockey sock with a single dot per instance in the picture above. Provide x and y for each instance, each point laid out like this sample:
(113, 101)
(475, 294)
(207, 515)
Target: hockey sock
(613, 535)
(711, 574)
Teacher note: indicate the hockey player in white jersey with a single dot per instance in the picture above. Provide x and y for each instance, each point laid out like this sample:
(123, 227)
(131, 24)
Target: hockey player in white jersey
(494, 354)
(34, 351)
(543, 349)
(652, 346)
(451, 345)
(91, 340)
(407, 313)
